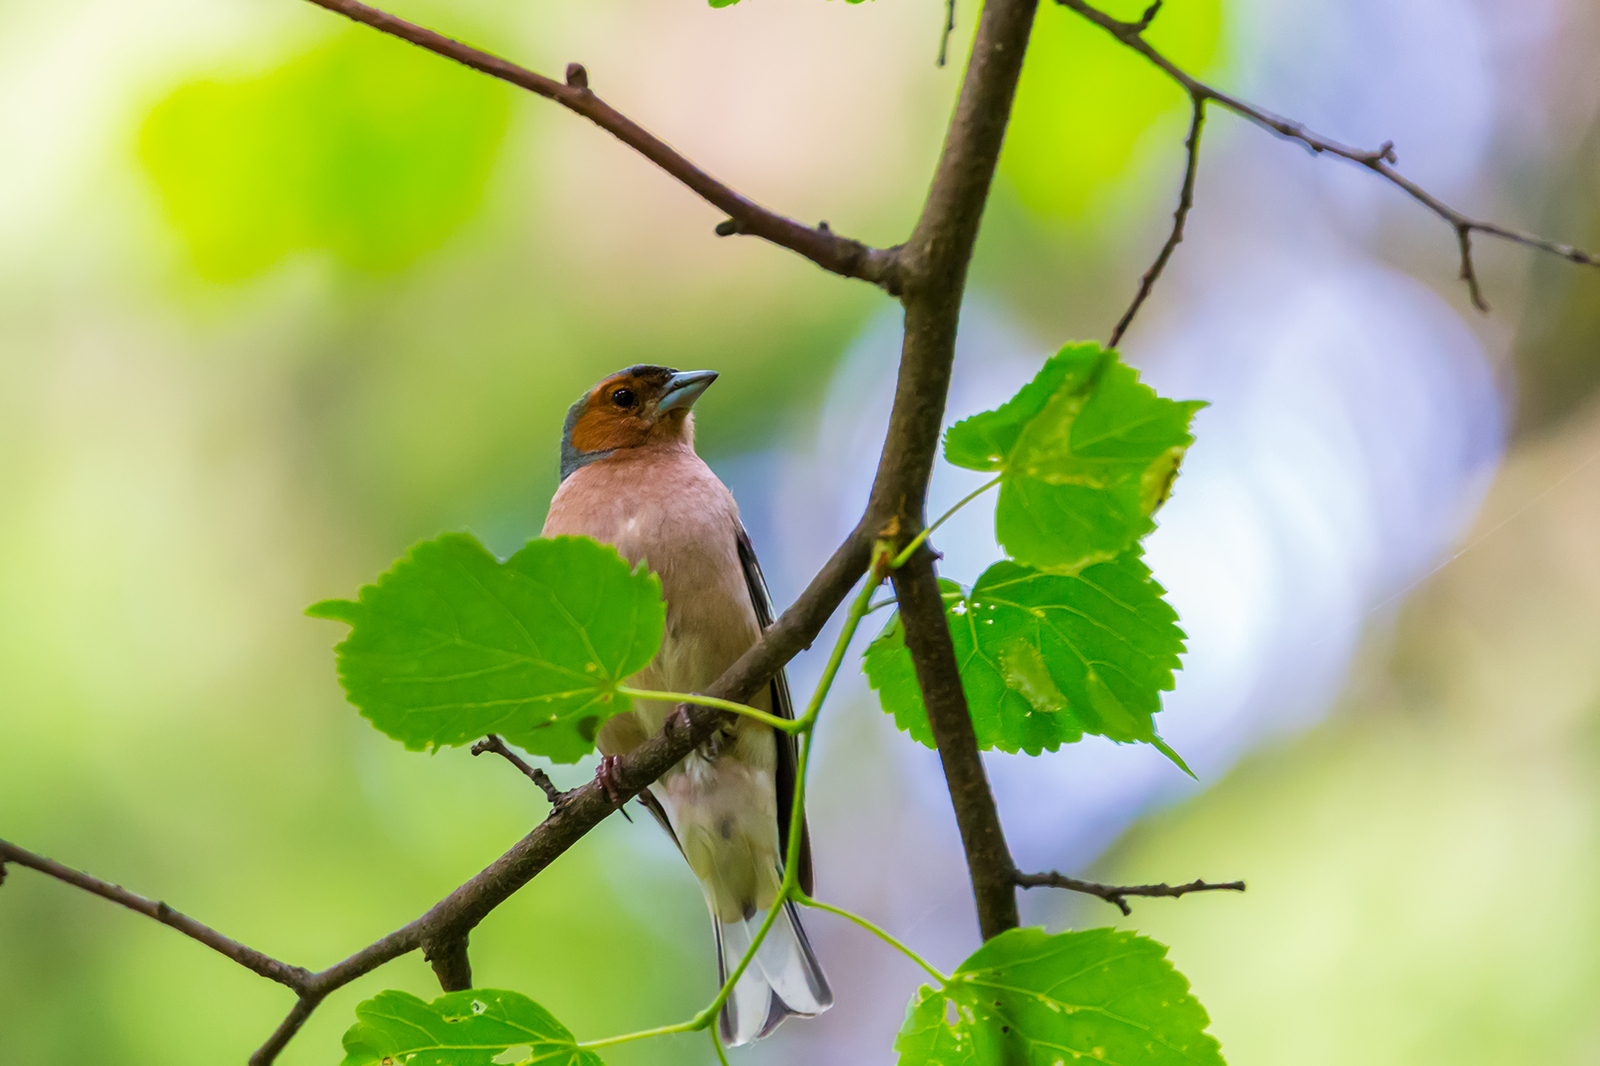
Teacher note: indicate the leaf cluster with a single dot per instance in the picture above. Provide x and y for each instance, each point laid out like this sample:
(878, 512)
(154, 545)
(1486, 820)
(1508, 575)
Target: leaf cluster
(1071, 634)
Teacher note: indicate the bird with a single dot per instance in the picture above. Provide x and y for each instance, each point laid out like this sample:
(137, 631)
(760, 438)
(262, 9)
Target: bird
(630, 477)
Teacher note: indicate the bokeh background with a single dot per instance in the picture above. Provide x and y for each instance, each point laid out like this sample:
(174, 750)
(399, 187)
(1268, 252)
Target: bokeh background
(279, 297)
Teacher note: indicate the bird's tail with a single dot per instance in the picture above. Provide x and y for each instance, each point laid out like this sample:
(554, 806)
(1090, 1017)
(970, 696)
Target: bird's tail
(781, 980)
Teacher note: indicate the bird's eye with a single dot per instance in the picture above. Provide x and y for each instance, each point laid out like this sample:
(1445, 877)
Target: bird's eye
(623, 397)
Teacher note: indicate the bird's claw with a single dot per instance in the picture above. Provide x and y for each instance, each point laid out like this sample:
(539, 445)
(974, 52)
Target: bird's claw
(607, 774)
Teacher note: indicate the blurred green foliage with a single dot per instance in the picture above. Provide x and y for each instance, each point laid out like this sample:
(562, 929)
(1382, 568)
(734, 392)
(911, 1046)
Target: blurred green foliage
(1086, 102)
(365, 148)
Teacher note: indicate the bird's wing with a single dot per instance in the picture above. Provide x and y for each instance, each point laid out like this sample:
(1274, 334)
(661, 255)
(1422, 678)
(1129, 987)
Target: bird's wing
(783, 707)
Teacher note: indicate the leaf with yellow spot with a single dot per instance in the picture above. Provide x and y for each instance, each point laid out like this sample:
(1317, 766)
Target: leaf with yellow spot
(1086, 453)
(1046, 657)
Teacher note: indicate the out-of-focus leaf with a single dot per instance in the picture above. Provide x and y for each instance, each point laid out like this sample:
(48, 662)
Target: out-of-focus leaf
(1046, 657)
(458, 1029)
(1026, 998)
(1086, 102)
(1086, 453)
(451, 644)
(366, 148)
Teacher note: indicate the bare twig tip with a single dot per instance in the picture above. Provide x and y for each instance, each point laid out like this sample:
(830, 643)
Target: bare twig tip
(727, 227)
(1117, 895)
(577, 76)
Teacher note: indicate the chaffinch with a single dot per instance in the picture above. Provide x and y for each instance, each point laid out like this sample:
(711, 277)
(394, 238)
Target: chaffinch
(630, 478)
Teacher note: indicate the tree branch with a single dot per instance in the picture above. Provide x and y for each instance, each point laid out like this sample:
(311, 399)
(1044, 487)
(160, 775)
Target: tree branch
(442, 932)
(821, 245)
(1380, 161)
(251, 959)
(1179, 217)
(989, 861)
(1118, 894)
(494, 744)
(934, 261)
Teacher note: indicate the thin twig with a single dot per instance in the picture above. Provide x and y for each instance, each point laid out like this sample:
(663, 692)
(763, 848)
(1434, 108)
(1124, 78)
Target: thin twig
(1179, 217)
(1118, 894)
(532, 773)
(949, 28)
(1380, 161)
(819, 244)
(251, 959)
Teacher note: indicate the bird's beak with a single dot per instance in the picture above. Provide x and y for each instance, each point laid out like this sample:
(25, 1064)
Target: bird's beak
(683, 389)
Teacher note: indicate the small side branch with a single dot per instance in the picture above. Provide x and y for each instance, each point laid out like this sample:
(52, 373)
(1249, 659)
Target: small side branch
(821, 245)
(1179, 217)
(494, 744)
(1118, 894)
(450, 963)
(1380, 161)
(285, 1031)
(292, 976)
(949, 28)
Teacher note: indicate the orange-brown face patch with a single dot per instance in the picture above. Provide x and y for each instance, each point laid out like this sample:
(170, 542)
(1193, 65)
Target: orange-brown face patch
(604, 426)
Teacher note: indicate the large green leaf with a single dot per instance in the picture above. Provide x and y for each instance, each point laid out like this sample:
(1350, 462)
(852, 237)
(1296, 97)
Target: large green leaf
(458, 1029)
(451, 644)
(1046, 657)
(1027, 998)
(1086, 453)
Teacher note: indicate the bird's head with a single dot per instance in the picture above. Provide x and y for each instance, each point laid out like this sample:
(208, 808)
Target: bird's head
(632, 408)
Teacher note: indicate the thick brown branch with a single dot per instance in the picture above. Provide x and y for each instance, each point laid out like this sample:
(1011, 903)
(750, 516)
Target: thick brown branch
(1118, 894)
(1179, 217)
(939, 677)
(251, 959)
(819, 244)
(935, 261)
(1380, 161)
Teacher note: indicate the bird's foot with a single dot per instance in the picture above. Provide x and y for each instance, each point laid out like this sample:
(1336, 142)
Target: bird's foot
(607, 774)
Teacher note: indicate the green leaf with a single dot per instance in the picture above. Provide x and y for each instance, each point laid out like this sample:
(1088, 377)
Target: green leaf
(1027, 998)
(451, 644)
(1086, 454)
(1046, 657)
(890, 671)
(458, 1029)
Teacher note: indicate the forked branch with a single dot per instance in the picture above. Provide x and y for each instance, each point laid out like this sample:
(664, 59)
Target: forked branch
(1380, 161)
